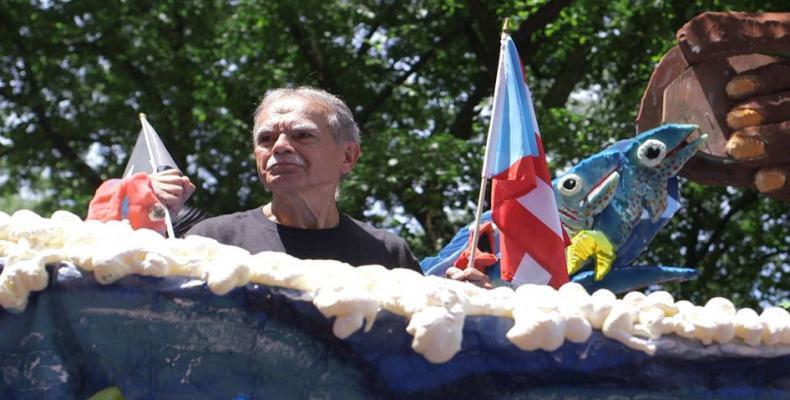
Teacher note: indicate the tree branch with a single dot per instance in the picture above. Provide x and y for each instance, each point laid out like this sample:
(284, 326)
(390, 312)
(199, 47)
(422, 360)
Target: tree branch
(422, 59)
(178, 30)
(385, 93)
(116, 59)
(58, 140)
(425, 219)
(743, 202)
(484, 37)
(768, 255)
(692, 237)
(310, 50)
(64, 148)
(704, 252)
(536, 21)
(373, 28)
(486, 32)
(462, 125)
(571, 72)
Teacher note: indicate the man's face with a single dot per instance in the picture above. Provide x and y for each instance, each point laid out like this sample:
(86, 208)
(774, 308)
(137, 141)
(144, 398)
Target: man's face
(295, 150)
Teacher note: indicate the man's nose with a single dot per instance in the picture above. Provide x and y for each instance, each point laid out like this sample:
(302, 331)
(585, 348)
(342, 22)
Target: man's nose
(282, 144)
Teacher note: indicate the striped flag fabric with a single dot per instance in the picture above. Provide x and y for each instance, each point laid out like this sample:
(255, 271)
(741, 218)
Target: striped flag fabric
(532, 241)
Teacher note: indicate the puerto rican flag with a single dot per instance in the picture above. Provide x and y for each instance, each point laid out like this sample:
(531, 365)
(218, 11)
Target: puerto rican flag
(532, 241)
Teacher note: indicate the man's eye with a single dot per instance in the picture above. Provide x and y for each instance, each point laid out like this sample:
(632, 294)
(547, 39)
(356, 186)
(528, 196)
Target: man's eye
(262, 139)
(304, 135)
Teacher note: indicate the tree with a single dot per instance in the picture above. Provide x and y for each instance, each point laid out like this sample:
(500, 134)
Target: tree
(418, 74)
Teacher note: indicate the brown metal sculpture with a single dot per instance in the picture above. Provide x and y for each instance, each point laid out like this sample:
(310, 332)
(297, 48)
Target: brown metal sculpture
(730, 75)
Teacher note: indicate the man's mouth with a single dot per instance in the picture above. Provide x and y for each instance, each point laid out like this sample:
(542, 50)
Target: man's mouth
(291, 160)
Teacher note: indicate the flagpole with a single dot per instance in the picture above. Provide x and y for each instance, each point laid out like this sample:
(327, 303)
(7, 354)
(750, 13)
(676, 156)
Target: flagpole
(168, 221)
(476, 226)
(484, 178)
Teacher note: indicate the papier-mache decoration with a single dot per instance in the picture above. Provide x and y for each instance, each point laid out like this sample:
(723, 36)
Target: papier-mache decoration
(87, 306)
(615, 202)
(132, 197)
(612, 204)
(730, 74)
(484, 257)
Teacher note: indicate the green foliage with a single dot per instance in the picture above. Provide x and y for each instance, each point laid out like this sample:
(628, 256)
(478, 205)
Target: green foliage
(418, 75)
(736, 239)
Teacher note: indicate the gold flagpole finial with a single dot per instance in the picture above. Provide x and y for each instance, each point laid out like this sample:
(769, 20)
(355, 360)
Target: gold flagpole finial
(504, 26)
(142, 116)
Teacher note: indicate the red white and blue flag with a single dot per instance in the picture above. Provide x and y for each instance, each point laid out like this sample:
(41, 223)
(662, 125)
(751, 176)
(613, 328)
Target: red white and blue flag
(532, 241)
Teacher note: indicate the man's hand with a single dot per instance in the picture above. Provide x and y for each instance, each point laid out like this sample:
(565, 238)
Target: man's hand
(172, 189)
(470, 275)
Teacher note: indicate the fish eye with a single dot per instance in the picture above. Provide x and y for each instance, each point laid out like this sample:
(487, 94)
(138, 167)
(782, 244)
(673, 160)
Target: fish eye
(157, 212)
(570, 184)
(651, 152)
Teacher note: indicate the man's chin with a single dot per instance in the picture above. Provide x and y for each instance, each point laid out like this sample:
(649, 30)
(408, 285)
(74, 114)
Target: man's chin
(275, 182)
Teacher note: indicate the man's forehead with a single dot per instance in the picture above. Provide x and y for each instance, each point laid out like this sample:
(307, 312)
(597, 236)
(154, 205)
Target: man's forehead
(286, 104)
(293, 110)
(289, 104)
(271, 124)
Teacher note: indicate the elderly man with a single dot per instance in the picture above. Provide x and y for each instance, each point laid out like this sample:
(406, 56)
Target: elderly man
(305, 141)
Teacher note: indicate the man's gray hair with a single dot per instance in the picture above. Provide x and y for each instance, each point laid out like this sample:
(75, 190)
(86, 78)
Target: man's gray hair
(339, 116)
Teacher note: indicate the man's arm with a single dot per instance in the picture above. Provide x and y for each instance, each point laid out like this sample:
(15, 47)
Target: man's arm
(406, 258)
(187, 218)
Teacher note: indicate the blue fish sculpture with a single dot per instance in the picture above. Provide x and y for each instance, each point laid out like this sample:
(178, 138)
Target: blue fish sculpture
(649, 161)
(586, 190)
(625, 222)
(612, 204)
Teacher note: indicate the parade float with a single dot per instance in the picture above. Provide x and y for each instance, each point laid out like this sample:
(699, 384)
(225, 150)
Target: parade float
(90, 305)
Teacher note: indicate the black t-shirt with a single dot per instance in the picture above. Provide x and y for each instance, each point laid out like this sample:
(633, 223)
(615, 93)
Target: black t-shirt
(351, 241)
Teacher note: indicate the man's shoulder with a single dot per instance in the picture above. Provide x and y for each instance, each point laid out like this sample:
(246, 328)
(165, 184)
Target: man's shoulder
(382, 243)
(377, 233)
(224, 221)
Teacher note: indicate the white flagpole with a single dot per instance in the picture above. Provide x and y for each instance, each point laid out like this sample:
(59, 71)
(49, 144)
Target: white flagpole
(500, 76)
(149, 137)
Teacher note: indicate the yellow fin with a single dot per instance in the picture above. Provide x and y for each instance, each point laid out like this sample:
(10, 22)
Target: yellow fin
(587, 244)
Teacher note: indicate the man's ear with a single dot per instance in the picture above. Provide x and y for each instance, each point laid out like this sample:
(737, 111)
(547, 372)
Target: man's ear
(351, 153)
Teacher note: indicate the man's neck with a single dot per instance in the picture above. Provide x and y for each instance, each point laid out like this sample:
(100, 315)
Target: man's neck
(297, 211)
